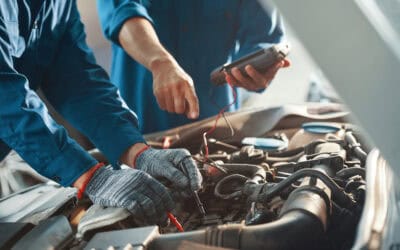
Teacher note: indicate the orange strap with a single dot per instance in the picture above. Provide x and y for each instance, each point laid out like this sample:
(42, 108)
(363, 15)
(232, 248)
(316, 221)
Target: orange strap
(90, 173)
(139, 153)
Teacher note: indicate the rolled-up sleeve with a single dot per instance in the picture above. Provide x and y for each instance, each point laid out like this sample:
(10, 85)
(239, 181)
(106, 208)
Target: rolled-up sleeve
(82, 93)
(114, 13)
(26, 126)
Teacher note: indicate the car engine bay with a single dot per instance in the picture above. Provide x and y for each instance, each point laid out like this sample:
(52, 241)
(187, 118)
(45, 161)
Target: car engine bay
(277, 178)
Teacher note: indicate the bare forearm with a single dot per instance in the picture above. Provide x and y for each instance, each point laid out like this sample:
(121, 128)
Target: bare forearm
(140, 41)
(172, 86)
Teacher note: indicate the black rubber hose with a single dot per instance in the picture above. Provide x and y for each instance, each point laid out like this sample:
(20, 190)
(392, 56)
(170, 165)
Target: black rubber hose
(338, 193)
(301, 225)
(239, 171)
(287, 233)
(293, 158)
(360, 153)
(355, 146)
(250, 170)
(286, 153)
(350, 172)
(295, 230)
(226, 196)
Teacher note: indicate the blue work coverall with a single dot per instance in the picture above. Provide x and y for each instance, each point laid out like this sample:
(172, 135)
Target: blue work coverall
(42, 44)
(200, 34)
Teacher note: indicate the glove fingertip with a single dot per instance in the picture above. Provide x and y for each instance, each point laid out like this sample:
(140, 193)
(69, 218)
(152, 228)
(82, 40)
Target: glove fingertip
(168, 202)
(170, 205)
(183, 183)
(195, 186)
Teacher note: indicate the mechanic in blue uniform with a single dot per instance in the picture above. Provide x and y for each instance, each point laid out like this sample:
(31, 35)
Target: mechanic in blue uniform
(164, 51)
(42, 44)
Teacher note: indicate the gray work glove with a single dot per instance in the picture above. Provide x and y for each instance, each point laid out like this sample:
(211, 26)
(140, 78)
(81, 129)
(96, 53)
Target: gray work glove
(141, 194)
(176, 165)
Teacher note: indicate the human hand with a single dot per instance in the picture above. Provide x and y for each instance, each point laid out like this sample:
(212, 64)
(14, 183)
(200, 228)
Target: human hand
(255, 80)
(176, 165)
(135, 190)
(174, 89)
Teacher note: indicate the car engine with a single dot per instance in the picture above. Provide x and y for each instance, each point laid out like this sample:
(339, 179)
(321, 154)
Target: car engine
(283, 178)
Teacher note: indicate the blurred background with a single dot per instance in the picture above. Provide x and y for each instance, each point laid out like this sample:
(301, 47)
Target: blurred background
(299, 83)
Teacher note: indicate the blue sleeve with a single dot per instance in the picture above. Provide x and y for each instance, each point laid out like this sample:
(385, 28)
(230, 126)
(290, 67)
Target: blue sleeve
(114, 13)
(82, 93)
(259, 27)
(26, 126)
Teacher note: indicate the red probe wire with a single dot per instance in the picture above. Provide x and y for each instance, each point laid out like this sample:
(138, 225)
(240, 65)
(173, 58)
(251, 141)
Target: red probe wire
(171, 217)
(211, 130)
(175, 221)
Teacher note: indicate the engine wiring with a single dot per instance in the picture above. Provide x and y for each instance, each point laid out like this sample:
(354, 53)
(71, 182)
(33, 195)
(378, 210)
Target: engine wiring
(294, 172)
(214, 127)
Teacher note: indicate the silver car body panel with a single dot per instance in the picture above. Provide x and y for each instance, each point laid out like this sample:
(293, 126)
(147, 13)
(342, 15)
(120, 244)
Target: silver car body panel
(358, 50)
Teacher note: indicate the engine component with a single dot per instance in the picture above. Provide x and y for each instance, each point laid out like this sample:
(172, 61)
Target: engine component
(54, 233)
(267, 144)
(36, 203)
(305, 208)
(136, 238)
(355, 147)
(308, 187)
(98, 217)
(11, 232)
(320, 127)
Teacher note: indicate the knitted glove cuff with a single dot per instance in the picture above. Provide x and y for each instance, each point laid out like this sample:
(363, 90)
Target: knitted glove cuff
(138, 154)
(90, 173)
